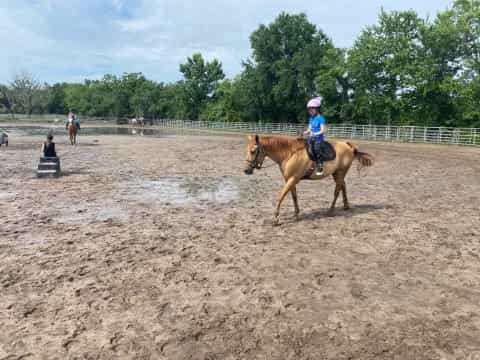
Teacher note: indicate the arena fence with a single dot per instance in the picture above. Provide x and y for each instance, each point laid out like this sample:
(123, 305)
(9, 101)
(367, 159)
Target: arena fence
(412, 134)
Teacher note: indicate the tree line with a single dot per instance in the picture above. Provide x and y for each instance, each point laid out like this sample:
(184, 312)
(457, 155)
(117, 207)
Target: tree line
(404, 70)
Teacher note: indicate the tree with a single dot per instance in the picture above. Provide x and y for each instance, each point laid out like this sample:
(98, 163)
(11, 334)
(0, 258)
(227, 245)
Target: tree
(56, 99)
(465, 15)
(7, 99)
(201, 80)
(383, 65)
(229, 104)
(27, 91)
(287, 56)
(336, 86)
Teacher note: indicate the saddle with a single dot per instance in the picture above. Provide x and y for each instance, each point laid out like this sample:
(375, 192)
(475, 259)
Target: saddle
(321, 150)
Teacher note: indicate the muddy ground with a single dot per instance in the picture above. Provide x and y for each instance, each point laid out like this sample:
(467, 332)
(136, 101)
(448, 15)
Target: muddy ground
(160, 248)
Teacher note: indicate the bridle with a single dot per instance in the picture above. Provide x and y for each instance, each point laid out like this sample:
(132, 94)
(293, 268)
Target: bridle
(255, 164)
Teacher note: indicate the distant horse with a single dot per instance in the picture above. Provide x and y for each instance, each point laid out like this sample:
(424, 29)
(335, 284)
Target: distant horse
(4, 139)
(72, 132)
(138, 121)
(291, 155)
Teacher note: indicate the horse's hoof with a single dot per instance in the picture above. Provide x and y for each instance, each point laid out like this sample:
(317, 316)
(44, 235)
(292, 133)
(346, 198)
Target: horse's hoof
(297, 217)
(346, 208)
(276, 222)
(331, 213)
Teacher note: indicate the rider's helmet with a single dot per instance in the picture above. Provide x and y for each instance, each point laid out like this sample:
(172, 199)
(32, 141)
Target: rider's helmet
(315, 103)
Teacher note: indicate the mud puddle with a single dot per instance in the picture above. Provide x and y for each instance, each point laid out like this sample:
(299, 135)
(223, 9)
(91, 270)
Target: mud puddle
(180, 191)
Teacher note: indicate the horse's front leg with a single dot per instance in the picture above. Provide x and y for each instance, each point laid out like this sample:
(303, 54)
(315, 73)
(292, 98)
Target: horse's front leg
(286, 188)
(295, 201)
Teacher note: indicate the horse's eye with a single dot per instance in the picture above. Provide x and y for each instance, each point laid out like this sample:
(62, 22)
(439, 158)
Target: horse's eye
(252, 151)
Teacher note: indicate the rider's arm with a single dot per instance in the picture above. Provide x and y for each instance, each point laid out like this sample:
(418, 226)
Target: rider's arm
(323, 129)
(308, 131)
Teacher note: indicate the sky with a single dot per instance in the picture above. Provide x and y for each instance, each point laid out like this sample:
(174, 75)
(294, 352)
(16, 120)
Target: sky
(70, 40)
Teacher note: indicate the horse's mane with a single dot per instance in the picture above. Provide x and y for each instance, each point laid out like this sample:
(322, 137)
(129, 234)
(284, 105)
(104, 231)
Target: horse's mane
(283, 144)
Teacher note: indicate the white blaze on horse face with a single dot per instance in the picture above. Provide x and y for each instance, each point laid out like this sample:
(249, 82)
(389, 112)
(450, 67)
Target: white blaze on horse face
(250, 154)
(251, 150)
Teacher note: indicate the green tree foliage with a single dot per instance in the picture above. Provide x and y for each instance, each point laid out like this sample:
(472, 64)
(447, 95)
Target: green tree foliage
(287, 56)
(56, 99)
(383, 65)
(465, 17)
(229, 104)
(336, 86)
(402, 70)
(7, 100)
(201, 80)
(27, 92)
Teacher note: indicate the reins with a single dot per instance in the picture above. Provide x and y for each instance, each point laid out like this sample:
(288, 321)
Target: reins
(266, 167)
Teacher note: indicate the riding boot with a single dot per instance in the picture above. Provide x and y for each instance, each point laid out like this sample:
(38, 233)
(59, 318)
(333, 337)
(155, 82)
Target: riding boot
(319, 168)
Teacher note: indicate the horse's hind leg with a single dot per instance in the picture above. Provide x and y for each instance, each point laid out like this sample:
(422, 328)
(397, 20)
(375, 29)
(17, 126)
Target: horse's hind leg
(295, 201)
(335, 197)
(341, 179)
(338, 187)
(346, 205)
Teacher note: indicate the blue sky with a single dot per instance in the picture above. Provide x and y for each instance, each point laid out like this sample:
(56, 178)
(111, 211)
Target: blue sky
(70, 40)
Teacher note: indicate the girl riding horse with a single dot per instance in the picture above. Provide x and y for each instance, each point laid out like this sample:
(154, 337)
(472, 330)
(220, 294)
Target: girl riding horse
(295, 165)
(316, 131)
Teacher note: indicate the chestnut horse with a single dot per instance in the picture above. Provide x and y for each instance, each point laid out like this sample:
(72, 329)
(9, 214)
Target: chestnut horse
(72, 132)
(295, 165)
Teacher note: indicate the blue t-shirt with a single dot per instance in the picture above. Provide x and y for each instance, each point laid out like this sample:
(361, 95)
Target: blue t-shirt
(316, 126)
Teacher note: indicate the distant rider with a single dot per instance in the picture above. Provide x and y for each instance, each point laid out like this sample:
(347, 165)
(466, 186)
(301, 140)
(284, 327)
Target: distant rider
(72, 119)
(316, 131)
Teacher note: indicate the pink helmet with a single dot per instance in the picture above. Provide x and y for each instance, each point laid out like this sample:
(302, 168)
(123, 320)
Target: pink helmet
(314, 103)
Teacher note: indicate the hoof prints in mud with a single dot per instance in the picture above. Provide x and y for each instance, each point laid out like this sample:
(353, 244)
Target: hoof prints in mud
(101, 214)
(394, 278)
(184, 191)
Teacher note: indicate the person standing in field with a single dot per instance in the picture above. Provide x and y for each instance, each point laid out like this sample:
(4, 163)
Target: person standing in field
(3, 139)
(48, 147)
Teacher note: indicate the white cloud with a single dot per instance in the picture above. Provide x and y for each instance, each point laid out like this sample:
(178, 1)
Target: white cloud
(118, 4)
(58, 40)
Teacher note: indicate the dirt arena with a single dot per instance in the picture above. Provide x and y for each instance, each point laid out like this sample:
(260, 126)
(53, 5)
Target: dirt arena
(161, 248)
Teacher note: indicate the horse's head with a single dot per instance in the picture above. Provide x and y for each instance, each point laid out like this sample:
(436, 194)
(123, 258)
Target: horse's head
(255, 155)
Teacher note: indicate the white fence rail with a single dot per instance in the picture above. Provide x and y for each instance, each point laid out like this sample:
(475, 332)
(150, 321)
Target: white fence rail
(413, 134)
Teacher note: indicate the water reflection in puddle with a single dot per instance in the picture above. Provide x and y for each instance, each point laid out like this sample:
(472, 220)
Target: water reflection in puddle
(59, 131)
(180, 191)
(110, 130)
(7, 196)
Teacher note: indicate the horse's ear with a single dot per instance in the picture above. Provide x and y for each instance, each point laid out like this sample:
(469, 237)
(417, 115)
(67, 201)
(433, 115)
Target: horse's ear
(256, 139)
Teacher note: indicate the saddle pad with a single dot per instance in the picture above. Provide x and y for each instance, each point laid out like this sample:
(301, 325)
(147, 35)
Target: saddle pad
(324, 151)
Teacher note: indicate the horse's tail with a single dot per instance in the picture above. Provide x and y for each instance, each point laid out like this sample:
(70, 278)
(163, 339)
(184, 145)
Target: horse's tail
(364, 158)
